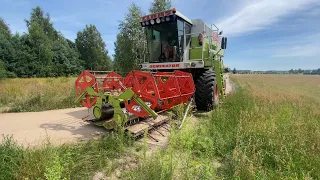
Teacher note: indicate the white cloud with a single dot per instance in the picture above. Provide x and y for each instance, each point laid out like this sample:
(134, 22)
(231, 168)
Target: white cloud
(310, 50)
(257, 15)
(302, 46)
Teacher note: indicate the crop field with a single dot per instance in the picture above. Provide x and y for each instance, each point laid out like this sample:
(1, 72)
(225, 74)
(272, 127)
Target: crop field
(268, 129)
(278, 131)
(36, 94)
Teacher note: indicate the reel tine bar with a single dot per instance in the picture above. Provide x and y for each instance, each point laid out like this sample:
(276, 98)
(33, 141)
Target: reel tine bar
(159, 91)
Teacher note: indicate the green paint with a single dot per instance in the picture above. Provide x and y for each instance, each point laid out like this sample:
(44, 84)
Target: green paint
(109, 124)
(196, 49)
(119, 118)
(219, 79)
(195, 52)
(145, 107)
(212, 55)
(97, 112)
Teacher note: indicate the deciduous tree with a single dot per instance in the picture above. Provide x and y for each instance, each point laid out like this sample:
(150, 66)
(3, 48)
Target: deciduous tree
(7, 51)
(234, 71)
(92, 49)
(160, 5)
(131, 41)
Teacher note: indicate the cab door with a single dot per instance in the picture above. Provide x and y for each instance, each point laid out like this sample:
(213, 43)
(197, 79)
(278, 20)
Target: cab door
(156, 43)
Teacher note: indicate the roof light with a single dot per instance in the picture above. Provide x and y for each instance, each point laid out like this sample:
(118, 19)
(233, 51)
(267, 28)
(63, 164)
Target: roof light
(152, 21)
(174, 10)
(158, 20)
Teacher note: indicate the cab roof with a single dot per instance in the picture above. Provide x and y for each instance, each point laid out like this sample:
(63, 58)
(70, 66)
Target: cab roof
(165, 14)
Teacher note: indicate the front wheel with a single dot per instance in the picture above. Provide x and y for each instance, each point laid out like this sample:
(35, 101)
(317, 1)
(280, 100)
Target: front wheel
(207, 93)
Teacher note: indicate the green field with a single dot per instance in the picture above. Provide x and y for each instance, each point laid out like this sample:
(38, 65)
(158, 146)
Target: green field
(268, 129)
(36, 94)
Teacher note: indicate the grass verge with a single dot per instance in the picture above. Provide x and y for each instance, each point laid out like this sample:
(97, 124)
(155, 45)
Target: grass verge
(74, 161)
(251, 136)
(36, 94)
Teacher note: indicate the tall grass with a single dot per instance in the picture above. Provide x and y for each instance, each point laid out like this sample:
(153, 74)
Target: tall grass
(73, 161)
(36, 94)
(279, 136)
(266, 130)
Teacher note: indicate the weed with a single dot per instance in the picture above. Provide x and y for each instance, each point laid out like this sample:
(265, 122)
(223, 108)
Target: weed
(70, 161)
(11, 155)
(155, 167)
(37, 94)
(266, 130)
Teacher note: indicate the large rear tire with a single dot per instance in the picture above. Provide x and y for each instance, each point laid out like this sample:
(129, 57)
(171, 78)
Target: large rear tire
(207, 94)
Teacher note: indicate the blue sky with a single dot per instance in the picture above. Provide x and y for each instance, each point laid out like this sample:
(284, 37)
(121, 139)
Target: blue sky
(262, 34)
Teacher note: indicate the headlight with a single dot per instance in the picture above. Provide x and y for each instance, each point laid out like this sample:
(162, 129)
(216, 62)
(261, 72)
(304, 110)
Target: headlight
(162, 19)
(152, 21)
(158, 20)
(168, 18)
(147, 23)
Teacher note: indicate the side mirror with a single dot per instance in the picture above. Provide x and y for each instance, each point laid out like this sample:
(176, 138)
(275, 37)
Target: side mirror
(224, 43)
(220, 33)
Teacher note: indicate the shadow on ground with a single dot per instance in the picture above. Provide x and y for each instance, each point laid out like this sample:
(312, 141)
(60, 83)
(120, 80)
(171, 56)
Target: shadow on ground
(75, 126)
(84, 114)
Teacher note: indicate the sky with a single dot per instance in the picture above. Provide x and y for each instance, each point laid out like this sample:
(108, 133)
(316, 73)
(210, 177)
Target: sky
(262, 34)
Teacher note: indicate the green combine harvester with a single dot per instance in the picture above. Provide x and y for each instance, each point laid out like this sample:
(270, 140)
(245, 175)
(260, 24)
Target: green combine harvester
(176, 42)
(185, 61)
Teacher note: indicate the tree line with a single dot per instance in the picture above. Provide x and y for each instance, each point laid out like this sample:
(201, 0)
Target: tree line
(304, 71)
(43, 51)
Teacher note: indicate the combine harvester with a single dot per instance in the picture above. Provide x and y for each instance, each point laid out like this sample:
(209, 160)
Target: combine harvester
(184, 63)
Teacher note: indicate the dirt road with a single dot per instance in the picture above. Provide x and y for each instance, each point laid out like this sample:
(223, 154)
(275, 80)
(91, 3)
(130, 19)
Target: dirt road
(60, 126)
(230, 87)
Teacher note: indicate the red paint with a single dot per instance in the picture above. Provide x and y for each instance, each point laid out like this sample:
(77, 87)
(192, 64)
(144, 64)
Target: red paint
(215, 37)
(162, 90)
(111, 82)
(201, 35)
(85, 80)
(164, 65)
(156, 15)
